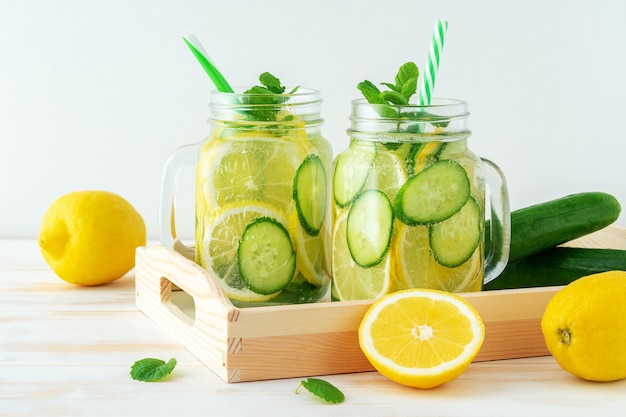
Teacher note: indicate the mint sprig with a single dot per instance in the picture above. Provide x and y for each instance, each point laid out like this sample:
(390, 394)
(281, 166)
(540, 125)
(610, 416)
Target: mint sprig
(267, 95)
(399, 92)
(151, 369)
(322, 389)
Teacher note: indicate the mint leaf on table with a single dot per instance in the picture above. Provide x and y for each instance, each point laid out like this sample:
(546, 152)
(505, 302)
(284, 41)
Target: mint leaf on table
(151, 370)
(323, 389)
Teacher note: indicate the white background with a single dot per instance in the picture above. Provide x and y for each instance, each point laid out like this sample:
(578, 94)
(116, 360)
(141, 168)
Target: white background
(97, 94)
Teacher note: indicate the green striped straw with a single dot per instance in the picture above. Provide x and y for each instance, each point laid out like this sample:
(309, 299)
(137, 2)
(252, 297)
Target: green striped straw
(207, 64)
(434, 55)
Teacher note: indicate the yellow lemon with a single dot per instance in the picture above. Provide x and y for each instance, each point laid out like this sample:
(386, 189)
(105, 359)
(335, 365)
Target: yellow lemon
(90, 237)
(417, 267)
(584, 326)
(421, 338)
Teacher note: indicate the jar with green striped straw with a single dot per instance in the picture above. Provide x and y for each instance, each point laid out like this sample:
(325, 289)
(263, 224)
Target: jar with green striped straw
(409, 196)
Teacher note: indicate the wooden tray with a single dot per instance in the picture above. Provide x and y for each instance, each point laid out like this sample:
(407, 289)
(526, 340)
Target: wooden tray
(260, 343)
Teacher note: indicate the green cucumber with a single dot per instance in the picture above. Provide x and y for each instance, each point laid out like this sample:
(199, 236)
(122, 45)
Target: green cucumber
(351, 171)
(544, 226)
(369, 227)
(434, 194)
(558, 266)
(454, 240)
(265, 256)
(309, 193)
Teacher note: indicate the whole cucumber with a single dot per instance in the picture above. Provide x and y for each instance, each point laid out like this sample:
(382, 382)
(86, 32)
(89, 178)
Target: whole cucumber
(543, 226)
(558, 266)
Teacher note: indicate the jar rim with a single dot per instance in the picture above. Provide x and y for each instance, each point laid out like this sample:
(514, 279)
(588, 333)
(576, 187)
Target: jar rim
(302, 96)
(445, 108)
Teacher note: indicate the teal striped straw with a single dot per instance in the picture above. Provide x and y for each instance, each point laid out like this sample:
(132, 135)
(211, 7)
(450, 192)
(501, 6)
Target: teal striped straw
(434, 55)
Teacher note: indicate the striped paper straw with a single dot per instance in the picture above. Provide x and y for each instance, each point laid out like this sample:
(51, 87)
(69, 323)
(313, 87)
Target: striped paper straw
(436, 46)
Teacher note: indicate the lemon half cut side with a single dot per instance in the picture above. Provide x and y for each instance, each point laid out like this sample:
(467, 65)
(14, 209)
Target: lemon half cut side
(421, 338)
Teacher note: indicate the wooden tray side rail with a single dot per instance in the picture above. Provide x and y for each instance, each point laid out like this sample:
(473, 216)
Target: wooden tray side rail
(260, 343)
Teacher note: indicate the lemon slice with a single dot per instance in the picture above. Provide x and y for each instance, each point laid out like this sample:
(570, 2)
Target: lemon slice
(387, 174)
(310, 253)
(254, 166)
(416, 267)
(350, 281)
(421, 338)
(217, 248)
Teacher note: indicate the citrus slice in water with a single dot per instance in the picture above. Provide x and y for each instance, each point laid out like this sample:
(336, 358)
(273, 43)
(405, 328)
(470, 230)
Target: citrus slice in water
(351, 170)
(350, 281)
(421, 338)
(254, 166)
(310, 252)
(386, 174)
(217, 248)
(416, 267)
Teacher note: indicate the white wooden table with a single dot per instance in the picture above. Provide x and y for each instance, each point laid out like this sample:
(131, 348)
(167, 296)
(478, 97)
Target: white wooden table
(67, 351)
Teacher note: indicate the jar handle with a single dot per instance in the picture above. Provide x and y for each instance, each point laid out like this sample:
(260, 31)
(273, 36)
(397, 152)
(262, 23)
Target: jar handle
(181, 158)
(499, 238)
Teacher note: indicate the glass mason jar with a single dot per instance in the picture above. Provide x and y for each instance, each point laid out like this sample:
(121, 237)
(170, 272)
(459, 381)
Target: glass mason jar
(262, 198)
(409, 204)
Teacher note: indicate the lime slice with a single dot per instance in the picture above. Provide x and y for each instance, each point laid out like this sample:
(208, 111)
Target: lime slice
(387, 174)
(350, 281)
(351, 171)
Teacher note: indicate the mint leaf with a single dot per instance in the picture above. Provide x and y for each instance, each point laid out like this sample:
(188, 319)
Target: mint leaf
(405, 73)
(399, 93)
(409, 88)
(394, 97)
(390, 86)
(272, 83)
(269, 94)
(323, 389)
(151, 370)
(370, 92)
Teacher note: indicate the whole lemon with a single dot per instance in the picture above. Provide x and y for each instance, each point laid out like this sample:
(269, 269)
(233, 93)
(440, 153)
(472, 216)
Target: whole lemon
(90, 237)
(584, 326)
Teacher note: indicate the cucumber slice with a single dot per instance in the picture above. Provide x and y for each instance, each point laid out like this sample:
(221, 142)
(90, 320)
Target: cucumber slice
(368, 228)
(454, 240)
(310, 192)
(434, 194)
(351, 171)
(267, 261)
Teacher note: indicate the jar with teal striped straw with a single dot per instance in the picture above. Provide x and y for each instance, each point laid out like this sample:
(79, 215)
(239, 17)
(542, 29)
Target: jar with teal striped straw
(409, 196)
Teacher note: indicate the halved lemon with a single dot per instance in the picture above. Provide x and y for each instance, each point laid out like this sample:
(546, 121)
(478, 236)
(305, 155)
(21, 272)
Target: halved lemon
(421, 338)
